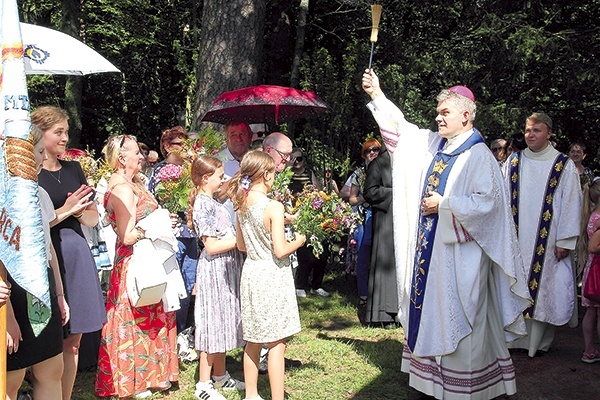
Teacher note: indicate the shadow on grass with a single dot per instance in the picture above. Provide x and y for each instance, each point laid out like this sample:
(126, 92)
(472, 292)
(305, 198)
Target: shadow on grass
(331, 313)
(386, 355)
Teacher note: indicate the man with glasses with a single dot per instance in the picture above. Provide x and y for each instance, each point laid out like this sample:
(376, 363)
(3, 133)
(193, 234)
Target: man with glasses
(279, 147)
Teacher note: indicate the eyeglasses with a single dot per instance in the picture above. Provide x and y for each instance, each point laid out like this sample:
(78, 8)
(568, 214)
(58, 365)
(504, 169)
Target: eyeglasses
(284, 156)
(299, 159)
(328, 171)
(372, 150)
(496, 149)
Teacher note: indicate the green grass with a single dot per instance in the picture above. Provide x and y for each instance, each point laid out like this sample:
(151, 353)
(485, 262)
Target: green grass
(341, 359)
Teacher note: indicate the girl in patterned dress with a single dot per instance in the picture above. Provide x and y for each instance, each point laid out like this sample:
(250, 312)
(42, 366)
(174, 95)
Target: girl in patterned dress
(217, 308)
(268, 316)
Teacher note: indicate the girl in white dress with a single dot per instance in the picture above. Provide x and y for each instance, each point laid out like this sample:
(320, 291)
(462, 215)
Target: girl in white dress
(268, 316)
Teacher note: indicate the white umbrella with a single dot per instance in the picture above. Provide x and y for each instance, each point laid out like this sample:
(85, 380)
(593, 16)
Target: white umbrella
(48, 51)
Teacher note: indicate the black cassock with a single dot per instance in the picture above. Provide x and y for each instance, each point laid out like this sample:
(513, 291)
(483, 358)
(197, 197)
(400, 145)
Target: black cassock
(382, 303)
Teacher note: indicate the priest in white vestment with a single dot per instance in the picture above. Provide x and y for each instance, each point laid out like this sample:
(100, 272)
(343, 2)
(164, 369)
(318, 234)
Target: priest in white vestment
(462, 284)
(547, 201)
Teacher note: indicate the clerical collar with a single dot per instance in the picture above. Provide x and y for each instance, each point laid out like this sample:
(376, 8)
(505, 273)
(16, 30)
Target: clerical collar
(548, 153)
(455, 142)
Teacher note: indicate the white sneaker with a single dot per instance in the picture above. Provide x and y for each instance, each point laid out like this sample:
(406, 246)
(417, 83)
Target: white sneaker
(206, 391)
(300, 293)
(320, 291)
(229, 383)
(143, 395)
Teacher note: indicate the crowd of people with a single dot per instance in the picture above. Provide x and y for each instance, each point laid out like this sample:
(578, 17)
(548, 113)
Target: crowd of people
(479, 244)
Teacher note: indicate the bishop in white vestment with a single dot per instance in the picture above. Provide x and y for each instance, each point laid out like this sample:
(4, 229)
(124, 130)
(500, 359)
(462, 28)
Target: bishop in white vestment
(462, 284)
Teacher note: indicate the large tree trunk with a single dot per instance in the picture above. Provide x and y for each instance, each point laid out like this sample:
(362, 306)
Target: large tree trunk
(299, 49)
(231, 44)
(70, 24)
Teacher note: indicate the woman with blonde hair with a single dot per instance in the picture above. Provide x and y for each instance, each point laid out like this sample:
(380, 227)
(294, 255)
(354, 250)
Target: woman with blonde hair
(138, 350)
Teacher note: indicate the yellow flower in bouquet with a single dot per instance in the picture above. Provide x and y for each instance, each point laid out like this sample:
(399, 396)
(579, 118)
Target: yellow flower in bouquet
(174, 187)
(321, 216)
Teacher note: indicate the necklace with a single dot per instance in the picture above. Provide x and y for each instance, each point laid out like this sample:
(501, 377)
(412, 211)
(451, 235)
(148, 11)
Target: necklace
(51, 173)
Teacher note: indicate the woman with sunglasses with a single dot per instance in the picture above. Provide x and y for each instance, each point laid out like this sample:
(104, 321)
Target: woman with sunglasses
(74, 206)
(171, 148)
(329, 184)
(138, 350)
(359, 245)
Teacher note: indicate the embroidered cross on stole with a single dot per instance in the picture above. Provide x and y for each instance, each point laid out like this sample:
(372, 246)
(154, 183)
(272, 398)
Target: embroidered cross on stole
(545, 220)
(437, 176)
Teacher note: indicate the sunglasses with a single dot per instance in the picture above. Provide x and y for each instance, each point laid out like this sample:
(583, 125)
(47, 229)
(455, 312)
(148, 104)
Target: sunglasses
(372, 150)
(299, 159)
(495, 149)
(123, 137)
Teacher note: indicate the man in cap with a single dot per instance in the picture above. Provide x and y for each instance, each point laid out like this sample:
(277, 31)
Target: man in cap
(461, 279)
(546, 202)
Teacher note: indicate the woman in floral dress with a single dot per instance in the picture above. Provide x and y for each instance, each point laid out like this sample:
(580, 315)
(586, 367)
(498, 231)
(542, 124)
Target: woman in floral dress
(138, 350)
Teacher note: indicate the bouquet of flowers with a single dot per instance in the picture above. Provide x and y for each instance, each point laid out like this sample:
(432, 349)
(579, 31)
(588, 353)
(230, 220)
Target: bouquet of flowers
(279, 190)
(321, 216)
(174, 187)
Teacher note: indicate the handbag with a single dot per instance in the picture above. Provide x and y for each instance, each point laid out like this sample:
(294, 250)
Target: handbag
(146, 276)
(591, 291)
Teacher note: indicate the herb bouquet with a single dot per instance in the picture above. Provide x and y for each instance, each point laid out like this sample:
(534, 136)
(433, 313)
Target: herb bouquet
(322, 217)
(174, 187)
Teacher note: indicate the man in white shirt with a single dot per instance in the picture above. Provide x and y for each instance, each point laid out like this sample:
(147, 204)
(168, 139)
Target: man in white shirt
(238, 137)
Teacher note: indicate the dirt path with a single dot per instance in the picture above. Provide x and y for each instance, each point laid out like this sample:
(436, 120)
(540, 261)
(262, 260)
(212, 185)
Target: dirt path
(559, 374)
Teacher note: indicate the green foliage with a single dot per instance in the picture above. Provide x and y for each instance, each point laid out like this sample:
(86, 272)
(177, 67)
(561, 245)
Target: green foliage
(517, 57)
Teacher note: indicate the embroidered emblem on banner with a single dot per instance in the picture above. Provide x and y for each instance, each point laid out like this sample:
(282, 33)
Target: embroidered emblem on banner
(546, 214)
(437, 176)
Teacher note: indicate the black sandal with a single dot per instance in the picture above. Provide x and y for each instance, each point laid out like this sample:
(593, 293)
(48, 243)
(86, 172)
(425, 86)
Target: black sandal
(362, 302)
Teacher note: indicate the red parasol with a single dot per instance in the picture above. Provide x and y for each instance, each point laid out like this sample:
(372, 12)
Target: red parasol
(264, 104)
